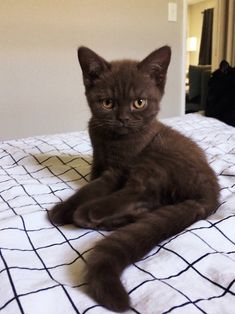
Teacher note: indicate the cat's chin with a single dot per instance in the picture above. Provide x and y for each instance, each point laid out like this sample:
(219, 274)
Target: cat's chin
(122, 131)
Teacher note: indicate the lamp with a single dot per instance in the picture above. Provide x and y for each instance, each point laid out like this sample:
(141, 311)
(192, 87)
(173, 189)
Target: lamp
(191, 44)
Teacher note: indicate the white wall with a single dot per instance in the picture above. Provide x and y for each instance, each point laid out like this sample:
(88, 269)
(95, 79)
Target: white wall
(41, 87)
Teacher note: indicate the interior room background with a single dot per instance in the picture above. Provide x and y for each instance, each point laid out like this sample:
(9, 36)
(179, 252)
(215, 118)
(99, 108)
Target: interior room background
(41, 88)
(210, 39)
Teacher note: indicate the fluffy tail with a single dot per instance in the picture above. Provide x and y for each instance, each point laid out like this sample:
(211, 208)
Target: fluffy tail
(130, 243)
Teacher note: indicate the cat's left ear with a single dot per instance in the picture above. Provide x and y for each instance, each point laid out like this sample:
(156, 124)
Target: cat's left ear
(92, 65)
(156, 64)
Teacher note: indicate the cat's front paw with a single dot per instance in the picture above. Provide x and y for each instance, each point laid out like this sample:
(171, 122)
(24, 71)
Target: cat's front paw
(81, 218)
(61, 213)
(88, 217)
(112, 222)
(92, 215)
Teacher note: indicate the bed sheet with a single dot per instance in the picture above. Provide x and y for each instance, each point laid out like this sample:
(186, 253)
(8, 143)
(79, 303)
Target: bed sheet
(42, 265)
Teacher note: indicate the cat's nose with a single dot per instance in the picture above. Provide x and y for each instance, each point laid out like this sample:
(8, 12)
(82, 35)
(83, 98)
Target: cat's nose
(123, 117)
(123, 120)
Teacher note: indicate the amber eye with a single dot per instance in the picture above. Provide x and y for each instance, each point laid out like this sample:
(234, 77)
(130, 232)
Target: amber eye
(107, 104)
(139, 104)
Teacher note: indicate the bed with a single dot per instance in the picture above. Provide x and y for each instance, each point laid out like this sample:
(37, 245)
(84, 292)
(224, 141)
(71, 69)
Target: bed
(42, 265)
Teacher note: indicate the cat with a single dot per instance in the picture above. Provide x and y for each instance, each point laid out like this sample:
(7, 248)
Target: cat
(148, 181)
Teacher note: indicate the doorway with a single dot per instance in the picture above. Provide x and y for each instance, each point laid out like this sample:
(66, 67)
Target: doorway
(199, 52)
(223, 40)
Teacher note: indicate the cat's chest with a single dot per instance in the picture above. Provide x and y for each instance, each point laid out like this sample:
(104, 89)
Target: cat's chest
(117, 153)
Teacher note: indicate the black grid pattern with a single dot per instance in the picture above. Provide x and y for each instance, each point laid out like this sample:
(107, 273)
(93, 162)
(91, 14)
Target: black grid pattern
(41, 265)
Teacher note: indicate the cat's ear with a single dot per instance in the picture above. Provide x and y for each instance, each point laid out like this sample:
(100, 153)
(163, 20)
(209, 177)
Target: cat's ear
(156, 64)
(92, 65)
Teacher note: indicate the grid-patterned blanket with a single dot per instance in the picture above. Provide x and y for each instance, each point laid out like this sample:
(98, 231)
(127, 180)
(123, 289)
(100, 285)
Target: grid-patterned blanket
(41, 265)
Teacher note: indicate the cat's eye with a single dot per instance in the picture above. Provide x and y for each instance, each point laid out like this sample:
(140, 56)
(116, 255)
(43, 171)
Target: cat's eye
(107, 104)
(139, 104)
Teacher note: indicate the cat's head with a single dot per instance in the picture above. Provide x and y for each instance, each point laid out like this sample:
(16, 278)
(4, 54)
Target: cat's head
(124, 95)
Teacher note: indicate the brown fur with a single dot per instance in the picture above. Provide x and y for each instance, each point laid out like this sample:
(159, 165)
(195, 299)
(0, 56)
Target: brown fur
(149, 182)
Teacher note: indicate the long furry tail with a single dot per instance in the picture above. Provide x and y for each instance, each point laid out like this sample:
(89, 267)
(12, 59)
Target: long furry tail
(130, 243)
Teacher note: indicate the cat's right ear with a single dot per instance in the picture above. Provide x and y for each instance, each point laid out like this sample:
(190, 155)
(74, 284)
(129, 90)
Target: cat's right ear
(92, 65)
(156, 64)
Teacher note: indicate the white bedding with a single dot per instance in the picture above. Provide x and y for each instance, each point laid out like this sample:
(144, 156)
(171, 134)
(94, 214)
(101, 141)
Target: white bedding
(41, 265)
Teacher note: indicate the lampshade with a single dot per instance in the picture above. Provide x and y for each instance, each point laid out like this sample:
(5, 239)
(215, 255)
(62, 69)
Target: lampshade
(192, 44)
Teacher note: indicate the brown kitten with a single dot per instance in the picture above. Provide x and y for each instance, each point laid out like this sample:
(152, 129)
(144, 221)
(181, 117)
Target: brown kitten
(148, 181)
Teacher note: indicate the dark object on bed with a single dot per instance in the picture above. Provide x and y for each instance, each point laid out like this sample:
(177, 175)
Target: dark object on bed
(198, 78)
(221, 94)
